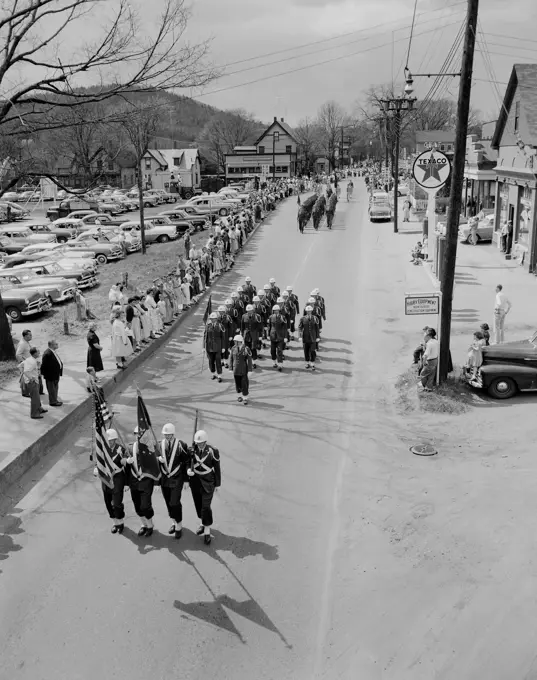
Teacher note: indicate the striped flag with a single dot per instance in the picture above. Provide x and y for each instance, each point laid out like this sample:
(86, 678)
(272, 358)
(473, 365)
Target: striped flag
(208, 310)
(147, 443)
(106, 468)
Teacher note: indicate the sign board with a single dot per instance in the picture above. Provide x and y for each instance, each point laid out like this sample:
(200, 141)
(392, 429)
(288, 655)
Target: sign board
(48, 189)
(418, 304)
(265, 169)
(431, 169)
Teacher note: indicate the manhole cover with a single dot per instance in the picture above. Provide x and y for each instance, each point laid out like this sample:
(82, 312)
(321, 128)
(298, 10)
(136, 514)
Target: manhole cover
(423, 450)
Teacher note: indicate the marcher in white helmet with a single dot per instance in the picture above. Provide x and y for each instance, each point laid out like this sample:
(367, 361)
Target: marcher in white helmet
(249, 289)
(113, 496)
(214, 344)
(205, 478)
(252, 329)
(308, 330)
(240, 363)
(277, 327)
(274, 287)
(173, 459)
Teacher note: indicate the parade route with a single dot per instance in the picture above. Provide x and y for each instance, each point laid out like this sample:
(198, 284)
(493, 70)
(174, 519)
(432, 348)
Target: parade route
(336, 553)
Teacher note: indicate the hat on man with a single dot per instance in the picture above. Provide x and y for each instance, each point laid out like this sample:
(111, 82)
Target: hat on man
(213, 315)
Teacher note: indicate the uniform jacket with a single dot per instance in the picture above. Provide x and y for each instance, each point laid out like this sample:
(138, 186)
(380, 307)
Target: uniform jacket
(238, 304)
(251, 327)
(51, 368)
(240, 360)
(229, 327)
(119, 478)
(308, 327)
(294, 300)
(250, 291)
(234, 316)
(176, 459)
(271, 298)
(214, 336)
(206, 466)
(259, 308)
(322, 306)
(244, 298)
(277, 325)
(275, 291)
(288, 310)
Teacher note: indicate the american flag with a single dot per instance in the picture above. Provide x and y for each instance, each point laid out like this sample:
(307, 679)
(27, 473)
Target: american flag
(208, 310)
(103, 455)
(147, 443)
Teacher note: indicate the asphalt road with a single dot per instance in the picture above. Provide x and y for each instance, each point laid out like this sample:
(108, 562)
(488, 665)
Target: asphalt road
(337, 554)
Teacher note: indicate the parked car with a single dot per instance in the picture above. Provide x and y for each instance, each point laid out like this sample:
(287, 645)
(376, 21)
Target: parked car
(74, 204)
(180, 215)
(56, 289)
(164, 196)
(104, 249)
(197, 212)
(26, 235)
(150, 200)
(161, 230)
(83, 278)
(21, 302)
(114, 234)
(380, 211)
(485, 230)
(9, 246)
(508, 368)
(95, 219)
(232, 193)
(209, 205)
(16, 212)
(12, 196)
(63, 229)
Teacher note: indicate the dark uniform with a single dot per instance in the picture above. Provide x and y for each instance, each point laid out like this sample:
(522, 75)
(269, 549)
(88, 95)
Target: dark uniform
(308, 328)
(317, 313)
(175, 459)
(251, 329)
(141, 491)
(238, 304)
(288, 310)
(275, 290)
(277, 326)
(240, 362)
(294, 299)
(250, 291)
(113, 498)
(214, 344)
(229, 332)
(207, 477)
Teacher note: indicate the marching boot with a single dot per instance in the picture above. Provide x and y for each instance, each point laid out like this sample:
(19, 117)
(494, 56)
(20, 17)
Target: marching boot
(280, 367)
(275, 365)
(254, 365)
(142, 530)
(172, 529)
(120, 528)
(207, 539)
(114, 529)
(307, 366)
(178, 530)
(149, 528)
(219, 378)
(313, 367)
(213, 377)
(245, 401)
(200, 530)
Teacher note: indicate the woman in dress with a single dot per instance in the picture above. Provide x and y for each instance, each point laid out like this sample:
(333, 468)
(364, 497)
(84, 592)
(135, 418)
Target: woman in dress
(233, 244)
(153, 314)
(136, 324)
(94, 359)
(121, 345)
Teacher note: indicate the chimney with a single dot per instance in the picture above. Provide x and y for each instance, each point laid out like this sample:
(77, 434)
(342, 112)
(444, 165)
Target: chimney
(275, 119)
(281, 119)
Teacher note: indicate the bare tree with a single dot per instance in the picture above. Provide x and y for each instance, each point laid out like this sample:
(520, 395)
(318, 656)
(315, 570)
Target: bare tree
(226, 131)
(330, 119)
(308, 135)
(139, 121)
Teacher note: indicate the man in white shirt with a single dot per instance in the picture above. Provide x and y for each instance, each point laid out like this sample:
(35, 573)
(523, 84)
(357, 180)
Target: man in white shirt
(30, 376)
(22, 353)
(502, 307)
(430, 362)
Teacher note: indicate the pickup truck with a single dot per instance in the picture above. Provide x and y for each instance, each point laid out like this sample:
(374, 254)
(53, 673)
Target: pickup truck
(65, 208)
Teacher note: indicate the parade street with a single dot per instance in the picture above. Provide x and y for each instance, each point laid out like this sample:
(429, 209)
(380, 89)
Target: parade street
(336, 551)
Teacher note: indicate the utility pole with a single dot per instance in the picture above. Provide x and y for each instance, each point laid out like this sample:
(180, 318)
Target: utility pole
(341, 155)
(457, 178)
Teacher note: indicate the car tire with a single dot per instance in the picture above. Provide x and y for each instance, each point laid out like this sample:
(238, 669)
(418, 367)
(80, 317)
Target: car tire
(223, 212)
(188, 195)
(14, 314)
(147, 205)
(101, 259)
(502, 388)
(49, 298)
(163, 239)
(62, 239)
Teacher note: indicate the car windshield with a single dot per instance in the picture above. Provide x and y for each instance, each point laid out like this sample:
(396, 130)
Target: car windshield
(53, 268)
(24, 233)
(382, 206)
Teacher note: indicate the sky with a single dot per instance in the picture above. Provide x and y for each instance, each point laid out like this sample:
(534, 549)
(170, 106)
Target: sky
(362, 42)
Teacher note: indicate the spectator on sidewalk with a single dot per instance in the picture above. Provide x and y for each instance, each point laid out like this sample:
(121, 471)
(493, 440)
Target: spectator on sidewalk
(509, 241)
(503, 237)
(406, 211)
(22, 353)
(474, 224)
(94, 359)
(52, 371)
(121, 345)
(430, 362)
(485, 329)
(30, 375)
(502, 307)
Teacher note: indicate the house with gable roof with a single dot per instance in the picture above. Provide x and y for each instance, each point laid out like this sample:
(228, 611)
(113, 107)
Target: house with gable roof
(173, 170)
(273, 154)
(515, 140)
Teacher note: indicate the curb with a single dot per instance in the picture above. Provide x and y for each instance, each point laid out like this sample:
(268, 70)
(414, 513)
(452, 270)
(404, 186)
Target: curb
(15, 467)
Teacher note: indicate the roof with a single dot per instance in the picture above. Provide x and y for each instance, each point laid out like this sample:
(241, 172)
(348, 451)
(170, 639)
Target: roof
(524, 79)
(277, 123)
(166, 158)
(244, 148)
(435, 136)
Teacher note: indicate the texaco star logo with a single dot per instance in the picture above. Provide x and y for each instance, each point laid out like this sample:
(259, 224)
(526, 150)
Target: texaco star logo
(431, 169)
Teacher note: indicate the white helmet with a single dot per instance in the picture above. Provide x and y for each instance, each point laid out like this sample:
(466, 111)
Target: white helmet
(234, 296)
(279, 300)
(221, 308)
(285, 294)
(261, 293)
(200, 437)
(266, 286)
(311, 299)
(136, 430)
(309, 308)
(313, 292)
(213, 315)
(111, 434)
(272, 280)
(239, 289)
(316, 291)
(276, 308)
(169, 428)
(249, 308)
(248, 279)
(229, 302)
(257, 298)
(289, 288)
(238, 338)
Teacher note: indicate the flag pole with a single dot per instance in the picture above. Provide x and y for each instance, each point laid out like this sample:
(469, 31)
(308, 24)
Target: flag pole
(139, 393)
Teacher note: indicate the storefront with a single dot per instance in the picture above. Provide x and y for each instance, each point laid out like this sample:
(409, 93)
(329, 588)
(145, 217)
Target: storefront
(479, 175)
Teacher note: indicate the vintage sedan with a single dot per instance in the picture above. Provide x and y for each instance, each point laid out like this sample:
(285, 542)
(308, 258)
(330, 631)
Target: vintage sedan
(103, 249)
(26, 235)
(56, 289)
(62, 229)
(21, 302)
(114, 234)
(180, 216)
(507, 369)
(9, 246)
(16, 211)
(97, 219)
(81, 277)
(157, 229)
(209, 205)
(380, 211)
(485, 230)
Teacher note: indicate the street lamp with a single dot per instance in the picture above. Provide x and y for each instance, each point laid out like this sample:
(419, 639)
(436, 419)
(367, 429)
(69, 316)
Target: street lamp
(398, 104)
(275, 138)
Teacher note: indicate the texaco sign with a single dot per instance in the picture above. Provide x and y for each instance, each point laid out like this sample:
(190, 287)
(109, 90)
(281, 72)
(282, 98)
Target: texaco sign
(431, 169)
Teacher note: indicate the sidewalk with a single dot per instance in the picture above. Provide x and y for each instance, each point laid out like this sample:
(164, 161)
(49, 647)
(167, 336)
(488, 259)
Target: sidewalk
(23, 442)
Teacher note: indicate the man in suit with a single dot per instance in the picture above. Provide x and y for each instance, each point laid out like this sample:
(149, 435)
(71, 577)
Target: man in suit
(52, 370)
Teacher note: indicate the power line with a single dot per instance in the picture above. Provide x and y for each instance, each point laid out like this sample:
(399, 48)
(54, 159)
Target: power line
(411, 32)
(304, 68)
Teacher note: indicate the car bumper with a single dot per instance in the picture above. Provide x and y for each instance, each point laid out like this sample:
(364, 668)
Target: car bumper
(37, 307)
(116, 256)
(65, 295)
(87, 283)
(463, 237)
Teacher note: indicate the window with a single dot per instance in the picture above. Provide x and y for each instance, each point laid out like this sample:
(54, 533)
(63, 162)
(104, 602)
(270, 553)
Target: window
(261, 149)
(450, 147)
(289, 149)
(177, 162)
(442, 147)
(99, 164)
(278, 168)
(148, 164)
(285, 168)
(257, 169)
(110, 165)
(271, 169)
(517, 115)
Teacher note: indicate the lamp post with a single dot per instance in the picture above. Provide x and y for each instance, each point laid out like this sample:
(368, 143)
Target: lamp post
(275, 138)
(398, 104)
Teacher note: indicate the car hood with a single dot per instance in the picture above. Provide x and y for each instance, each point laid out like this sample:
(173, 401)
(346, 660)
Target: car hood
(45, 280)
(22, 292)
(506, 350)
